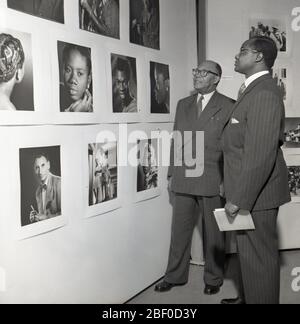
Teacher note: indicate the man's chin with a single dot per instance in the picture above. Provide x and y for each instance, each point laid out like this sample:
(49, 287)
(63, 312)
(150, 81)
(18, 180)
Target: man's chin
(236, 69)
(74, 98)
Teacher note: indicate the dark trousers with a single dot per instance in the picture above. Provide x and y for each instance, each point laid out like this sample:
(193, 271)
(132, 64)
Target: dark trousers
(259, 259)
(184, 220)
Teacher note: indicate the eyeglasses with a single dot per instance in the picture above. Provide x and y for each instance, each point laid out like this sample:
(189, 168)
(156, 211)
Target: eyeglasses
(203, 73)
(244, 51)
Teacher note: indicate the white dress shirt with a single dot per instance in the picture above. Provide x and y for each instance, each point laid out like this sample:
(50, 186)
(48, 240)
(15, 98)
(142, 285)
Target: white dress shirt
(206, 99)
(253, 77)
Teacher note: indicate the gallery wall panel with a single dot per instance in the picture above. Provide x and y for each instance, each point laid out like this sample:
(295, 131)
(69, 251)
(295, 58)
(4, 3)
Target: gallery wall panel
(85, 245)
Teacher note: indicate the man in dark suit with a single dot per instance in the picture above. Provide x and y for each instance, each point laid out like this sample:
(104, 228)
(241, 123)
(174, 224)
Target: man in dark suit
(255, 173)
(205, 111)
(48, 192)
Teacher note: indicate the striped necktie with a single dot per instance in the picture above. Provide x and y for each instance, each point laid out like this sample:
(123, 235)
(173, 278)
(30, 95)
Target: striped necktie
(200, 106)
(241, 91)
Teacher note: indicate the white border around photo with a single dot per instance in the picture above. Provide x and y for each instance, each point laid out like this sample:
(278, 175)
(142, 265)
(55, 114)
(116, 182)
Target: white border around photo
(91, 135)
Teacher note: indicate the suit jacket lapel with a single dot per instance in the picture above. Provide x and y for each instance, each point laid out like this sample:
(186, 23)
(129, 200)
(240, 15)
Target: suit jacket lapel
(49, 191)
(247, 91)
(210, 110)
(192, 110)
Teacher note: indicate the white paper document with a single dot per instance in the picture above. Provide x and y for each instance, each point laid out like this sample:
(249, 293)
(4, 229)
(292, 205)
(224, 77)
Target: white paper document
(243, 221)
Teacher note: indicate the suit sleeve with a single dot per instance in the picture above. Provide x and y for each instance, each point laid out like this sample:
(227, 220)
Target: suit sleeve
(261, 143)
(171, 167)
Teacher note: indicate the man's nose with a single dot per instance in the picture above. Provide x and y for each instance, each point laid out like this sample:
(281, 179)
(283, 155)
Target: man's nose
(73, 78)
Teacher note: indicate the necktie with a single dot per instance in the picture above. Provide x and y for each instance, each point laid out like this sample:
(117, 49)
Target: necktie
(241, 91)
(43, 186)
(200, 105)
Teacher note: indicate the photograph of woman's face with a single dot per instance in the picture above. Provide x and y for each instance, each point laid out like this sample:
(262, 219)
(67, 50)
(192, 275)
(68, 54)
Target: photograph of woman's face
(75, 78)
(77, 75)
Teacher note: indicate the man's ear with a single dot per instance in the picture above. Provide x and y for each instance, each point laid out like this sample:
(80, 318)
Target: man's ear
(260, 57)
(218, 79)
(20, 75)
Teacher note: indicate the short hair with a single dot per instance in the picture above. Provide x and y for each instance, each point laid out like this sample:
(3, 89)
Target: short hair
(267, 47)
(84, 51)
(12, 57)
(123, 66)
(40, 155)
(163, 70)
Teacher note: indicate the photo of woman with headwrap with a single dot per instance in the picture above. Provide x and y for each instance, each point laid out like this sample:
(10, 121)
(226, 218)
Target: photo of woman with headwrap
(16, 90)
(76, 94)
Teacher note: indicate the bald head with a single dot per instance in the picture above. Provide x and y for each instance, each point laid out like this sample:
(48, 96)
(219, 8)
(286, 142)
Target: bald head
(207, 77)
(213, 66)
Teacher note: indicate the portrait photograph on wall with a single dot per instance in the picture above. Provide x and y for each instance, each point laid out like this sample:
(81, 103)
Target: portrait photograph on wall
(294, 182)
(292, 132)
(147, 166)
(16, 71)
(275, 28)
(124, 84)
(103, 172)
(293, 164)
(160, 88)
(75, 78)
(102, 176)
(280, 76)
(47, 9)
(145, 23)
(40, 178)
(100, 16)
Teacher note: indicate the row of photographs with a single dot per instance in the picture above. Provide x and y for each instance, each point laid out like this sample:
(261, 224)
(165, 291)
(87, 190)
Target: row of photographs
(41, 175)
(101, 17)
(75, 84)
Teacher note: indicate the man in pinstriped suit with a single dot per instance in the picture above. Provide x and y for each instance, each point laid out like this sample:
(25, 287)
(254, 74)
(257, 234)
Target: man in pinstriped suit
(205, 111)
(255, 173)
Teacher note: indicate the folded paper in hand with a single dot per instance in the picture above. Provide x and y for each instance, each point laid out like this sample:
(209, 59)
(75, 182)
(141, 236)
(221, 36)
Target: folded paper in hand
(243, 221)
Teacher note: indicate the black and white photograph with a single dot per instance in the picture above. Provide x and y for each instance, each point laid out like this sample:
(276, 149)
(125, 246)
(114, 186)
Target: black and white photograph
(75, 75)
(40, 175)
(145, 23)
(271, 27)
(160, 88)
(47, 9)
(103, 173)
(294, 181)
(147, 167)
(142, 127)
(124, 84)
(292, 132)
(280, 77)
(16, 71)
(101, 17)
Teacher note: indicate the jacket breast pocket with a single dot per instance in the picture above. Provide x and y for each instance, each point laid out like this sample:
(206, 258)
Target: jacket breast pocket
(234, 135)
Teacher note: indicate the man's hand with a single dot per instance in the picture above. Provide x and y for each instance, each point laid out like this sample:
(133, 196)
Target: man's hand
(231, 209)
(32, 216)
(35, 217)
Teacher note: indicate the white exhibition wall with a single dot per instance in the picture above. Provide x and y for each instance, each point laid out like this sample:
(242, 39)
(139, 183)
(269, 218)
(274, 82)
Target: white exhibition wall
(228, 24)
(111, 257)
